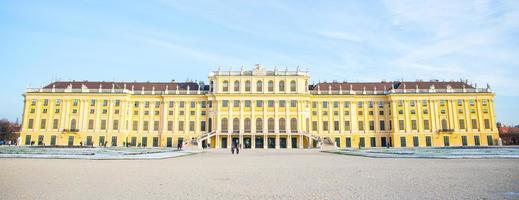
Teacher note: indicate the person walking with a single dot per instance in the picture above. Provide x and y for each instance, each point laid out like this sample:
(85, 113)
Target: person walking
(237, 149)
(232, 149)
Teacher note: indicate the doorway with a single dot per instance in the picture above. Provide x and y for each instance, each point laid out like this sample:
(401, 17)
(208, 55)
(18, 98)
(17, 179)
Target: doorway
(259, 141)
(247, 143)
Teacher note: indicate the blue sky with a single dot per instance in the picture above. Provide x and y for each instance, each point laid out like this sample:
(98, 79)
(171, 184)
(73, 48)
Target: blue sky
(41, 41)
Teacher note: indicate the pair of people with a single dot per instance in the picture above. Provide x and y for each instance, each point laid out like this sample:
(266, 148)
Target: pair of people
(235, 147)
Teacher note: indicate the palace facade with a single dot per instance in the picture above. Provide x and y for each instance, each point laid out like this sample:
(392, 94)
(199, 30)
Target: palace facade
(260, 108)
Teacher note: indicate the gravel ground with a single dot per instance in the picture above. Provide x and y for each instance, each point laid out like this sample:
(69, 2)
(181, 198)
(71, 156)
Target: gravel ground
(260, 174)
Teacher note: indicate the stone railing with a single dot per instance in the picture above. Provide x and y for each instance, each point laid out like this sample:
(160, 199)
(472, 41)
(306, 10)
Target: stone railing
(398, 91)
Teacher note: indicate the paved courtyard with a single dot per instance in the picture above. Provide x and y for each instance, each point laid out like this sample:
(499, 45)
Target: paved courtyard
(260, 174)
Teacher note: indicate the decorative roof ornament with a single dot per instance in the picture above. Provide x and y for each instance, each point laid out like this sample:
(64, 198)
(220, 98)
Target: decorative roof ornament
(488, 88)
(417, 90)
(375, 90)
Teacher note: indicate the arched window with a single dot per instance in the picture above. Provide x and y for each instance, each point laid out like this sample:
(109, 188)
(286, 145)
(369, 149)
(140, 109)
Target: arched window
(236, 125)
(271, 86)
(282, 125)
(236, 86)
(259, 125)
(73, 124)
(226, 86)
(225, 125)
(247, 125)
(293, 86)
(247, 86)
(210, 124)
(281, 86)
(293, 125)
(270, 125)
(259, 86)
(444, 124)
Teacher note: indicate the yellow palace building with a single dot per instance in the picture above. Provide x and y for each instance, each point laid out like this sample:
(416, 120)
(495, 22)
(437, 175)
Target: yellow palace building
(260, 108)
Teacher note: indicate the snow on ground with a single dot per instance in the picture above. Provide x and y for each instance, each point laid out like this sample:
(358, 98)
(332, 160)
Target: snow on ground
(109, 153)
(453, 152)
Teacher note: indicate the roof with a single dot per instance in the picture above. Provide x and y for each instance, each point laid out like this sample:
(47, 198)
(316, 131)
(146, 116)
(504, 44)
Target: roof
(122, 85)
(357, 86)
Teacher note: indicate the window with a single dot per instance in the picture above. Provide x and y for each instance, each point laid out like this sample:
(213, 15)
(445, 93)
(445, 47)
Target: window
(155, 125)
(444, 124)
(426, 124)
(370, 104)
(247, 86)
(103, 124)
(325, 104)
(402, 142)
(33, 102)
(400, 103)
(380, 104)
(236, 103)
(247, 124)
(412, 103)
(171, 104)
(202, 125)
(270, 124)
(225, 103)
(115, 125)
(487, 123)
(325, 125)
(105, 102)
(335, 104)
(424, 103)
(474, 124)
(43, 122)
(146, 104)
(460, 102)
(484, 102)
(381, 112)
(293, 86)
(136, 104)
(56, 111)
(413, 125)
(157, 104)
(382, 125)
(281, 86)
(247, 103)
(259, 125)
(442, 102)
(472, 102)
(170, 125)
(145, 126)
(282, 103)
(55, 124)
(259, 86)
(73, 124)
(180, 125)
(236, 86)
(401, 125)
(425, 111)
(44, 110)
(360, 104)
(361, 125)
(293, 103)
(314, 125)
(416, 141)
(117, 102)
(371, 125)
(225, 86)
(191, 126)
(271, 103)
(225, 125)
(347, 126)
(45, 102)
(259, 103)
(282, 125)
(30, 124)
(270, 86)
(336, 125)
(293, 125)
(135, 125)
(462, 123)
(90, 124)
(58, 102)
